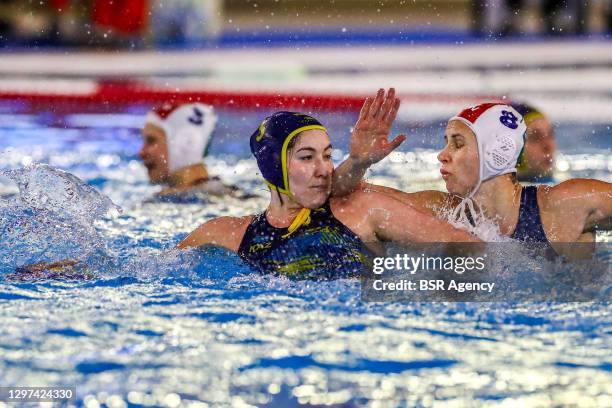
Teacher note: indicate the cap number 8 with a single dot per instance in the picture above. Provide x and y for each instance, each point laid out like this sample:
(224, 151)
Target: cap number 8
(508, 119)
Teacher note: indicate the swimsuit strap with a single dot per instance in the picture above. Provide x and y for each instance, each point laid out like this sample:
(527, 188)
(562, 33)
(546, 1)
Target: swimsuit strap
(529, 225)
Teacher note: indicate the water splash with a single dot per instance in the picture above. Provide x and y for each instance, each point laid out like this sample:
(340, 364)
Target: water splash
(468, 217)
(43, 187)
(52, 218)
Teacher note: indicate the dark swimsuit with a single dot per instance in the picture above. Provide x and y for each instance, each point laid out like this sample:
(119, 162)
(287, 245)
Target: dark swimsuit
(529, 227)
(323, 249)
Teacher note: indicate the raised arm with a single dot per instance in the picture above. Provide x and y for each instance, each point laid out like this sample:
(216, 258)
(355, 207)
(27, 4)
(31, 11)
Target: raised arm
(369, 141)
(226, 232)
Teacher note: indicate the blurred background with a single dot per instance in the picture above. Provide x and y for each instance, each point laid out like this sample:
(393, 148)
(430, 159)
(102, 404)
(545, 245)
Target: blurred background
(476, 49)
(150, 23)
(68, 65)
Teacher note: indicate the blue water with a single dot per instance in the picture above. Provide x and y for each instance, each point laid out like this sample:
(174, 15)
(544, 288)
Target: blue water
(157, 328)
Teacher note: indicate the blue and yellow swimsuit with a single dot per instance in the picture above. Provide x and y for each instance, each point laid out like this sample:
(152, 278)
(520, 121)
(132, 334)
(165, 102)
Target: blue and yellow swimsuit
(322, 249)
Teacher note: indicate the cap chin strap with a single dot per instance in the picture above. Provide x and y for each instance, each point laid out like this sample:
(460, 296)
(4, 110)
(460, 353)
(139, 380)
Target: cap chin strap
(303, 217)
(460, 212)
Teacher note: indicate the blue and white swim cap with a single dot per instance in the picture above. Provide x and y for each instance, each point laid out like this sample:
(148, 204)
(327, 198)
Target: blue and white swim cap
(188, 130)
(500, 134)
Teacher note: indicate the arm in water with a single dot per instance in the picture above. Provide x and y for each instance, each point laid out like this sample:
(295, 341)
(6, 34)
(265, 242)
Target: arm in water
(403, 223)
(226, 232)
(63, 270)
(369, 141)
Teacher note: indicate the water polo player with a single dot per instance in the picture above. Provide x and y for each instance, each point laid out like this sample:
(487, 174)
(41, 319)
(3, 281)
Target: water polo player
(483, 144)
(175, 141)
(536, 164)
(303, 233)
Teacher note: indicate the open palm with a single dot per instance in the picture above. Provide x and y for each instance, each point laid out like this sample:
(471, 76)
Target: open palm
(369, 140)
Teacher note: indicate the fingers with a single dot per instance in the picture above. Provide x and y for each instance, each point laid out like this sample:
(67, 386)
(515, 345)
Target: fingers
(388, 103)
(391, 114)
(378, 101)
(382, 107)
(395, 143)
(365, 109)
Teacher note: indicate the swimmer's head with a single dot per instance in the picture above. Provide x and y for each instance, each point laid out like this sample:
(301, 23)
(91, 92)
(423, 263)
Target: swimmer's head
(537, 160)
(483, 142)
(293, 153)
(176, 136)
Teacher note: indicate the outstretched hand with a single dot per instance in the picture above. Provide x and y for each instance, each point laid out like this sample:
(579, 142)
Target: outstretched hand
(369, 140)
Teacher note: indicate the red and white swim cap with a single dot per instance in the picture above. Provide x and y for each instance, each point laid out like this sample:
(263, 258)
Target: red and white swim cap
(500, 132)
(188, 130)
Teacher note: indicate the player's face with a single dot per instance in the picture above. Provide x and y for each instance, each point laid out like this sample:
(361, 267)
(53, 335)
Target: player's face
(310, 168)
(460, 166)
(154, 153)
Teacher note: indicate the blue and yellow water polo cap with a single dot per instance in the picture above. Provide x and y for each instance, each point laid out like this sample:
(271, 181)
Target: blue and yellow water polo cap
(270, 142)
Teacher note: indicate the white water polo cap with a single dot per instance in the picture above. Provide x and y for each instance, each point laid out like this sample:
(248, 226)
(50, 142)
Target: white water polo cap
(500, 134)
(188, 130)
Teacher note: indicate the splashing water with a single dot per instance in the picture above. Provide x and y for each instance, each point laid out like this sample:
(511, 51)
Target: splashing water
(52, 218)
(480, 225)
(155, 328)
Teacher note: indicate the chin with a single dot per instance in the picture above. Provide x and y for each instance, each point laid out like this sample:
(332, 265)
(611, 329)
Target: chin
(457, 190)
(315, 202)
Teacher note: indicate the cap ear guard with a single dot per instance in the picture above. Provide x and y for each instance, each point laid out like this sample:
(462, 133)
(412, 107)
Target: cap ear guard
(501, 153)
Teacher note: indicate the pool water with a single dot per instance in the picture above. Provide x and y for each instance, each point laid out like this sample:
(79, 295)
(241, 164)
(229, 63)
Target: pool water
(198, 328)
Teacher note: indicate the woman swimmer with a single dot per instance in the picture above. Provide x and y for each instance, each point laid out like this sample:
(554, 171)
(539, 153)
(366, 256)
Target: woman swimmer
(176, 138)
(304, 231)
(483, 144)
(537, 162)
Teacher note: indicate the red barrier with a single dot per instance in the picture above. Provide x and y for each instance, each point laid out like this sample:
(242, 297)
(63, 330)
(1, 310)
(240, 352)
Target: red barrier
(115, 93)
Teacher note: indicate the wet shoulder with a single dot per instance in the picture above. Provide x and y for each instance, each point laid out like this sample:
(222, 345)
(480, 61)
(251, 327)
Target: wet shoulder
(565, 208)
(223, 231)
(353, 203)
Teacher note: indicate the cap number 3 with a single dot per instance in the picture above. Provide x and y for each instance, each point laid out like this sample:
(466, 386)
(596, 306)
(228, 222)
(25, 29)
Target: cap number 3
(196, 118)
